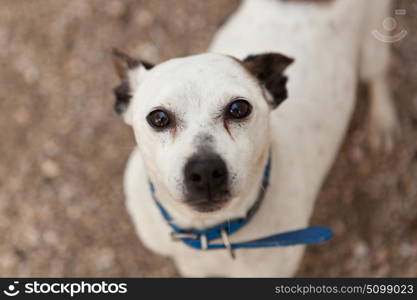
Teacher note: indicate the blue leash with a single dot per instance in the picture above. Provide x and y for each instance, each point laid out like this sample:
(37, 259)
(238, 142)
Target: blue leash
(200, 239)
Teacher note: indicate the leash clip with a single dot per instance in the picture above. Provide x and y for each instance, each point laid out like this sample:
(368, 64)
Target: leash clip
(176, 236)
(227, 243)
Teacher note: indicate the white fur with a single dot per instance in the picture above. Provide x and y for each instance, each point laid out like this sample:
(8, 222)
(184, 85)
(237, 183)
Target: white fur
(304, 133)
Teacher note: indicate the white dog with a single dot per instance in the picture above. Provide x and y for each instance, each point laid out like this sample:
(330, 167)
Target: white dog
(210, 128)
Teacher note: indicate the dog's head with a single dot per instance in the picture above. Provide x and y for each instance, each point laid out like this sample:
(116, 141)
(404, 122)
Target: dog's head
(202, 122)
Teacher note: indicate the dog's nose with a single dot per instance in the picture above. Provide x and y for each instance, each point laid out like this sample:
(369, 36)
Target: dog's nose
(206, 177)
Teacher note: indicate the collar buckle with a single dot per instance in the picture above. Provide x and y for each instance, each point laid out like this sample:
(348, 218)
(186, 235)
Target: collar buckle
(227, 243)
(176, 236)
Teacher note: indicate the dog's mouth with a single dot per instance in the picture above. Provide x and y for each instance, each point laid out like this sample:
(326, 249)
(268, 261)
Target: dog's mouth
(207, 205)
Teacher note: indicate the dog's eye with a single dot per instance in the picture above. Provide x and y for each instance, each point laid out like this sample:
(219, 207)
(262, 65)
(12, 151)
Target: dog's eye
(158, 119)
(239, 109)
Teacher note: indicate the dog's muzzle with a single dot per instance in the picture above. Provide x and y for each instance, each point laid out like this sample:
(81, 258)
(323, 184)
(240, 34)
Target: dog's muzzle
(206, 181)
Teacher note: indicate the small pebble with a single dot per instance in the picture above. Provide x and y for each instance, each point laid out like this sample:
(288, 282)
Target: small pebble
(50, 169)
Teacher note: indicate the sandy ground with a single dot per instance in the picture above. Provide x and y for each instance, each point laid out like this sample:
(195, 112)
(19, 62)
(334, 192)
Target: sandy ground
(63, 149)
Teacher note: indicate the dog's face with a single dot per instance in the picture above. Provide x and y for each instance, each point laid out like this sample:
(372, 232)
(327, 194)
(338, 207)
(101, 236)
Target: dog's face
(202, 122)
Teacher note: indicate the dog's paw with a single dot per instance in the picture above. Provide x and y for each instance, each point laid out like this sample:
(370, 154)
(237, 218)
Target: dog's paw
(383, 127)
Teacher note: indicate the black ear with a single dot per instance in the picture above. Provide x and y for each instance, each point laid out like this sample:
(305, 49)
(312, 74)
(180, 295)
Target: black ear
(268, 68)
(124, 65)
(122, 94)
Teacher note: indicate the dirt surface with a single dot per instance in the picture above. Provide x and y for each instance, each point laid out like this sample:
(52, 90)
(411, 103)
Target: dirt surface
(63, 149)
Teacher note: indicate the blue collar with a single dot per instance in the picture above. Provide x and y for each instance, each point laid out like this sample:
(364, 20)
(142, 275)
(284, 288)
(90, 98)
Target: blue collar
(200, 239)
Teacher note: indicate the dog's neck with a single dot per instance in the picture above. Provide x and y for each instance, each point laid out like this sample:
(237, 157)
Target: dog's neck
(238, 207)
